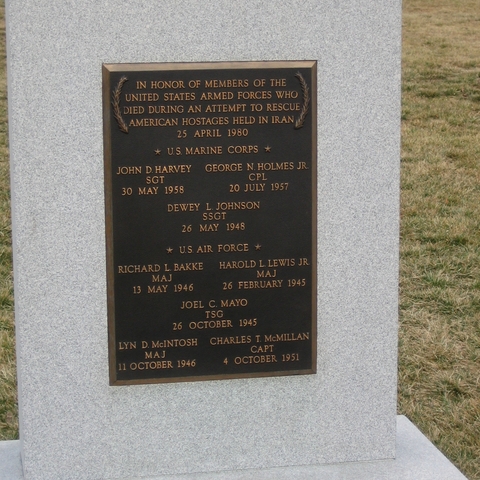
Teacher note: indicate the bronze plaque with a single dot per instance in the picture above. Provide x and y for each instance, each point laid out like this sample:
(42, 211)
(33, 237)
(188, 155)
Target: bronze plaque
(210, 184)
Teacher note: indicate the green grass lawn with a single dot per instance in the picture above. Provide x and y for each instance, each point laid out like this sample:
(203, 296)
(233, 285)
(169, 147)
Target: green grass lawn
(439, 362)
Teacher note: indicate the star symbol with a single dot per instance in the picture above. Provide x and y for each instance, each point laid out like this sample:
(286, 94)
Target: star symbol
(258, 246)
(169, 250)
(158, 152)
(267, 149)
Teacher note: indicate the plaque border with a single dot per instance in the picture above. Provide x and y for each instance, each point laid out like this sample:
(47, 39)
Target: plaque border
(107, 69)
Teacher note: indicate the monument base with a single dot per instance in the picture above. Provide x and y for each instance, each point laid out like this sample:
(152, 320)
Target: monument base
(417, 459)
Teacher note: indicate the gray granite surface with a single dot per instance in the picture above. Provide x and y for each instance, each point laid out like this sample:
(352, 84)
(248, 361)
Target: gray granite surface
(416, 459)
(73, 424)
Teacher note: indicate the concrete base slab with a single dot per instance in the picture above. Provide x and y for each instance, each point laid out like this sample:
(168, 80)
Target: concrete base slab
(417, 459)
(10, 461)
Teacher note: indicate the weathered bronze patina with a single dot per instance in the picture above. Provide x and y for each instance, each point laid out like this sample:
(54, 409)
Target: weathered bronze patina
(210, 182)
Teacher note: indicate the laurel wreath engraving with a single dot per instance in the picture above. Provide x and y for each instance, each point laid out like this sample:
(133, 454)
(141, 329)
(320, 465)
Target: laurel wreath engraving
(306, 101)
(116, 105)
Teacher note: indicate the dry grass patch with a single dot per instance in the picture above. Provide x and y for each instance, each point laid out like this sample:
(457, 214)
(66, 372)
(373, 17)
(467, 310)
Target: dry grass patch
(8, 384)
(439, 375)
